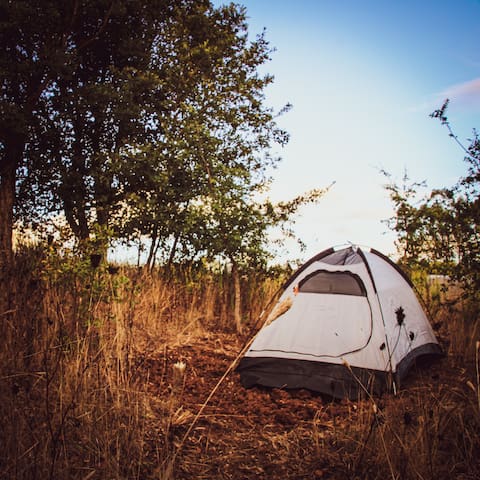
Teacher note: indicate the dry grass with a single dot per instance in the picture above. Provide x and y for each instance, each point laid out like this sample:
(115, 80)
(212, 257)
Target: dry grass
(70, 404)
(103, 376)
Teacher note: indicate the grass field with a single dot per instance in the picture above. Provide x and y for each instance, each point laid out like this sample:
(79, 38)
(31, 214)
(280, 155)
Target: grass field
(115, 373)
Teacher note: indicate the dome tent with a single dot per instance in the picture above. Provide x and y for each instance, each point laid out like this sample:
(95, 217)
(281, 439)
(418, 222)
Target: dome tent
(347, 320)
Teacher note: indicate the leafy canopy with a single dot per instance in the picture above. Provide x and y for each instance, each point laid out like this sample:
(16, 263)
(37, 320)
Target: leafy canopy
(141, 119)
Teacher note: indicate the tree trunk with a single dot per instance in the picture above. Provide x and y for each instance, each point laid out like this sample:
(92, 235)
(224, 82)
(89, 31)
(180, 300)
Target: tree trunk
(173, 250)
(8, 170)
(237, 299)
(7, 200)
(150, 263)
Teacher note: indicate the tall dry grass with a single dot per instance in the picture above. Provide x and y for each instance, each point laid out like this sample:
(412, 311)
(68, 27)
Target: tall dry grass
(74, 398)
(427, 432)
(73, 403)
(70, 406)
(195, 302)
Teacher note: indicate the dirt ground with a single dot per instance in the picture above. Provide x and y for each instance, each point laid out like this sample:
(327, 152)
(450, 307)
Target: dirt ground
(276, 434)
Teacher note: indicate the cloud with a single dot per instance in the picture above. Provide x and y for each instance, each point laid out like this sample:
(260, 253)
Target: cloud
(465, 94)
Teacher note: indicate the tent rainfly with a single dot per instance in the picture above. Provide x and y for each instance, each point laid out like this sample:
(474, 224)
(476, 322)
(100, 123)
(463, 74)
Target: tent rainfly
(348, 320)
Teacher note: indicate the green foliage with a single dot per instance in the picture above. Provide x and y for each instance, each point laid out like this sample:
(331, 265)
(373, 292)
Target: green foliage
(144, 118)
(81, 274)
(438, 231)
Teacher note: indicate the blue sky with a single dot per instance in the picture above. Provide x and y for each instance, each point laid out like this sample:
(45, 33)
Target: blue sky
(363, 78)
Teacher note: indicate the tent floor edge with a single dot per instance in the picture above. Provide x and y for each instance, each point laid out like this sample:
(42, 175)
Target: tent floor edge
(427, 352)
(334, 380)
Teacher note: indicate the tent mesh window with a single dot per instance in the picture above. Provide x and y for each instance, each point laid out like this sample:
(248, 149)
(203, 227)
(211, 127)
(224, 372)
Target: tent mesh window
(341, 283)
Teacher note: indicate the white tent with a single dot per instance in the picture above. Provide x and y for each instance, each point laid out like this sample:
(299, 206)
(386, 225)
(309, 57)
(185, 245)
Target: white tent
(351, 321)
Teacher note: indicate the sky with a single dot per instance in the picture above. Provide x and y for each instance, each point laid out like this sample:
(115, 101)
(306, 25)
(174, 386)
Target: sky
(363, 78)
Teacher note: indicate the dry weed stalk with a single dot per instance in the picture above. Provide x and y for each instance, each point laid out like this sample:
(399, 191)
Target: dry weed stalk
(279, 310)
(477, 369)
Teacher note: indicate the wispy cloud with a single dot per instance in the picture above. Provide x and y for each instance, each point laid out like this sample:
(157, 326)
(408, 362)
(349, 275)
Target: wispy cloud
(466, 94)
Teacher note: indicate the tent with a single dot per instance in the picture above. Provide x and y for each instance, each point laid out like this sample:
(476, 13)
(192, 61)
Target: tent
(347, 321)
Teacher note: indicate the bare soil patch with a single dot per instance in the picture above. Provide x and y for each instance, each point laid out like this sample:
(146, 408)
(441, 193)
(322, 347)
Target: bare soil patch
(425, 431)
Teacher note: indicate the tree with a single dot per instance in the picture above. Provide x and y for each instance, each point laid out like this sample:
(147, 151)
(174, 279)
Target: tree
(90, 121)
(139, 118)
(32, 40)
(439, 231)
(219, 138)
(40, 41)
(161, 107)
